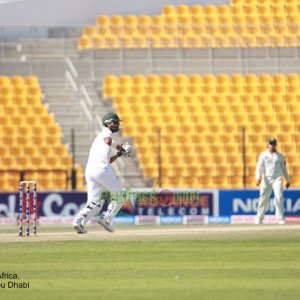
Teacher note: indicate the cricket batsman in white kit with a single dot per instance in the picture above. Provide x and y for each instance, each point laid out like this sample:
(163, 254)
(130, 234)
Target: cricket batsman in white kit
(99, 175)
(270, 167)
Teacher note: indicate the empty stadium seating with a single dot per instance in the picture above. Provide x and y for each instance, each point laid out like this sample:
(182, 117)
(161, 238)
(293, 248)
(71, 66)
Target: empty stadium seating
(200, 119)
(257, 23)
(30, 138)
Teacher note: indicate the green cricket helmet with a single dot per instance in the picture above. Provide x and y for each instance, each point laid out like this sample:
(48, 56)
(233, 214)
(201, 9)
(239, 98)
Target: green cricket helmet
(112, 121)
(272, 141)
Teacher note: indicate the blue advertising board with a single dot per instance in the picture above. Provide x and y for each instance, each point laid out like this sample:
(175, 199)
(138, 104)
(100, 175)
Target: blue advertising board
(48, 204)
(65, 204)
(244, 202)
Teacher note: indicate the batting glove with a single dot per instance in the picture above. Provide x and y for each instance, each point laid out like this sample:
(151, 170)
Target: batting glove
(127, 149)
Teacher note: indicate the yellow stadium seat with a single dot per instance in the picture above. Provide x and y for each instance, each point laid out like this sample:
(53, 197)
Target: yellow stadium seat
(110, 80)
(45, 151)
(47, 119)
(198, 25)
(125, 41)
(4, 81)
(125, 80)
(89, 30)
(8, 162)
(182, 10)
(117, 24)
(52, 161)
(111, 41)
(171, 25)
(130, 24)
(59, 181)
(196, 9)
(84, 42)
(17, 80)
(98, 41)
(157, 25)
(139, 41)
(167, 41)
(32, 80)
(102, 21)
(144, 24)
(280, 24)
(10, 110)
(153, 41)
(41, 111)
(293, 80)
(4, 184)
(101, 31)
(293, 24)
(211, 18)
(6, 90)
(169, 10)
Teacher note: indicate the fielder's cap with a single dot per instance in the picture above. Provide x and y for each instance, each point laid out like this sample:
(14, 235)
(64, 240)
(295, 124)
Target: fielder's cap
(272, 141)
(109, 117)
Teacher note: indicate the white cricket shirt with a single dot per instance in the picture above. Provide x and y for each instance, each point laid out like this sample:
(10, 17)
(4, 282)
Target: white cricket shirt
(100, 152)
(271, 165)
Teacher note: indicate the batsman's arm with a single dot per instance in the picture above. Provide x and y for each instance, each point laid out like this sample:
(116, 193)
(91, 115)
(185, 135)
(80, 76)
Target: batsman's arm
(109, 141)
(115, 157)
(116, 146)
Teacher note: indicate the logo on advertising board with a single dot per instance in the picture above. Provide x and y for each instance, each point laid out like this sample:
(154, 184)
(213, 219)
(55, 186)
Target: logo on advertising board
(128, 220)
(170, 220)
(147, 220)
(245, 202)
(49, 204)
(195, 219)
(170, 203)
(218, 220)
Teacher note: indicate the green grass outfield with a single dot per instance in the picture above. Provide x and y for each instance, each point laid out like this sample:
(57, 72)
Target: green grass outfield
(203, 266)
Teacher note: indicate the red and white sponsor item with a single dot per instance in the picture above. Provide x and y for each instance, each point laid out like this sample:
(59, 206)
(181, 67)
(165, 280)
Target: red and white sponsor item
(8, 221)
(270, 219)
(147, 220)
(56, 220)
(292, 219)
(195, 219)
(242, 219)
(250, 219)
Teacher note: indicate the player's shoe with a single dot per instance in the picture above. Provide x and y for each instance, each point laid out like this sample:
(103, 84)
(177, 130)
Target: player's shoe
(105, 225)
(78, 227)
(281, 222)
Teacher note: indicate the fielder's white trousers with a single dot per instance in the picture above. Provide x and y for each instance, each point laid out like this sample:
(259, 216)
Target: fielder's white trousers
(269, 183)
(98, 179)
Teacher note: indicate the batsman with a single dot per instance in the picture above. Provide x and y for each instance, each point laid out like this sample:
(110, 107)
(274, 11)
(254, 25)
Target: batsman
(270, 167)
(99, 175)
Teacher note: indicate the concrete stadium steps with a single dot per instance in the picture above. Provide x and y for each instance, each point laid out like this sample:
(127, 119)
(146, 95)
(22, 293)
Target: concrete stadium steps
(68, 114)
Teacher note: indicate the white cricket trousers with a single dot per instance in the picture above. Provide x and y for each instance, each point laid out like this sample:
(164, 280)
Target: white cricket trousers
(97, 179)
(269, 183)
